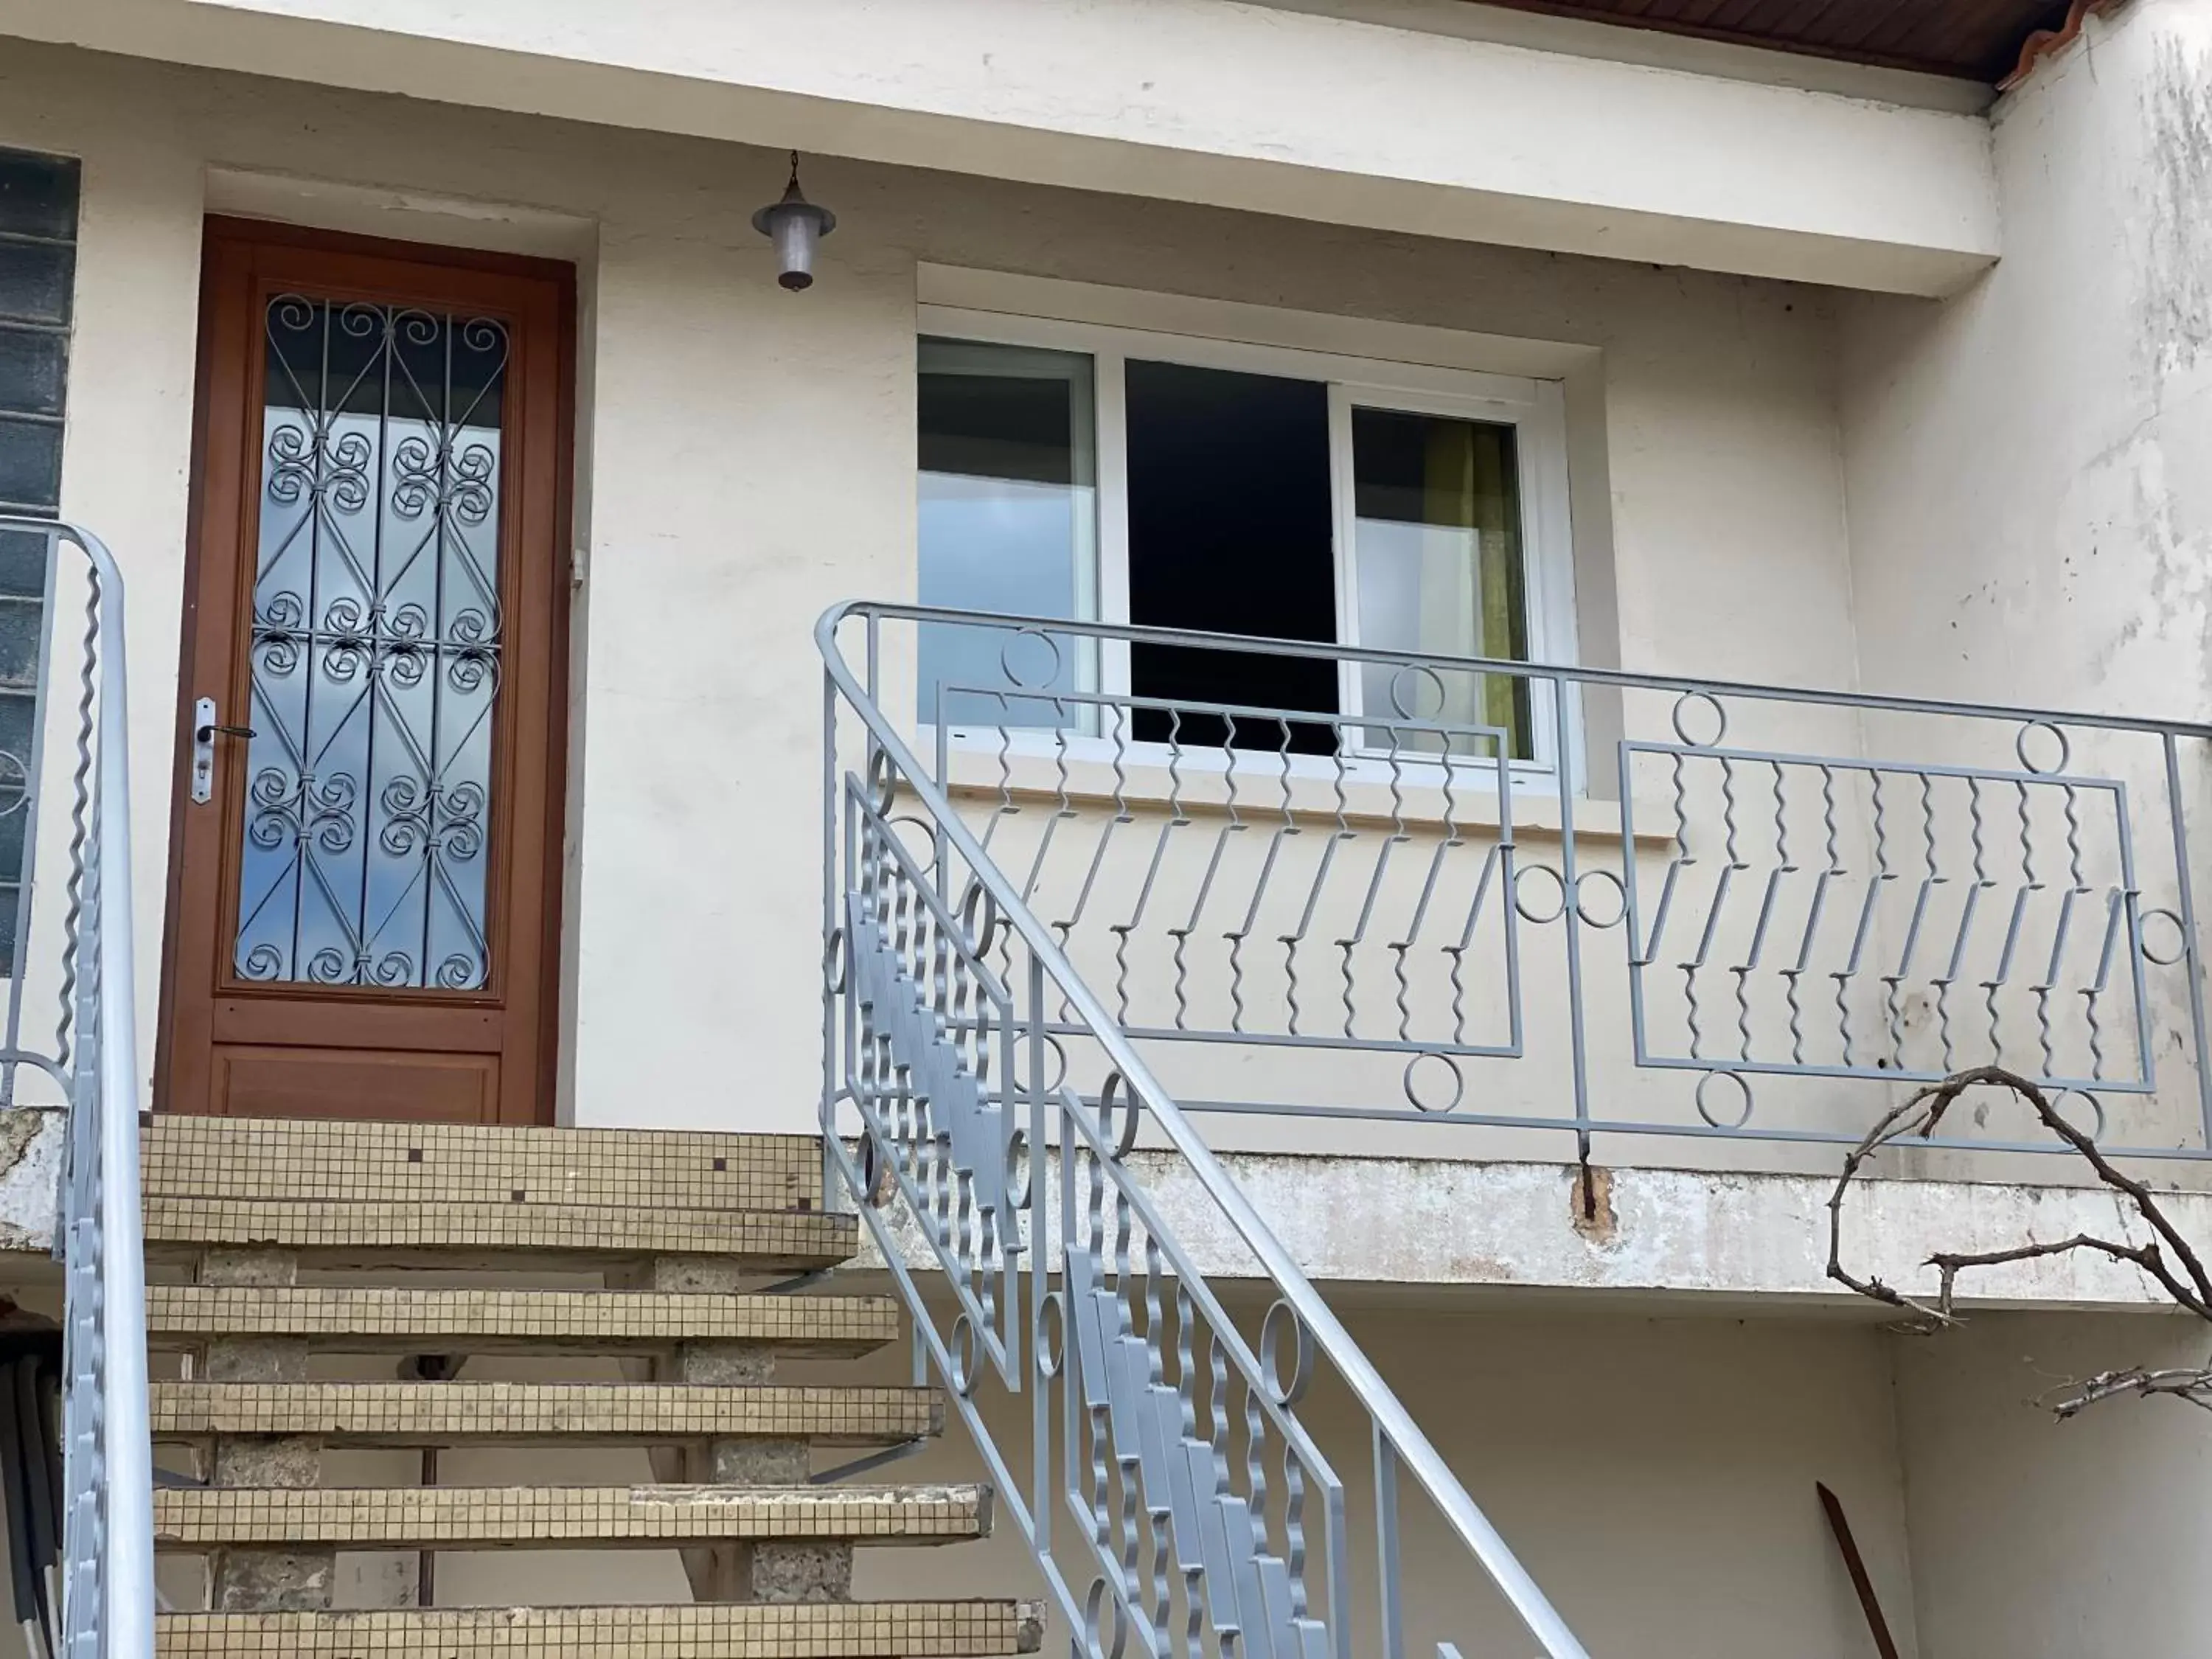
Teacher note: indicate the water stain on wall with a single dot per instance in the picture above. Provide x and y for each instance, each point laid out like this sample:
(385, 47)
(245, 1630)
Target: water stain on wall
(2177, 294)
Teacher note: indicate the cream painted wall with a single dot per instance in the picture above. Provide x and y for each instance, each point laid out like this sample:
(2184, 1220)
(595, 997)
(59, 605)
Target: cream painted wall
(2033, 1539)
(2026, 466)
(1656, 1476)
(2031, 501)
(751, 457)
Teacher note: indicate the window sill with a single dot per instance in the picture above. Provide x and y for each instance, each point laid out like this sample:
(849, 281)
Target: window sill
(1370, 798)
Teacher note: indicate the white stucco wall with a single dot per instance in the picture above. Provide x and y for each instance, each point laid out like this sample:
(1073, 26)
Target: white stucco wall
(2031, 508)
(750, 460)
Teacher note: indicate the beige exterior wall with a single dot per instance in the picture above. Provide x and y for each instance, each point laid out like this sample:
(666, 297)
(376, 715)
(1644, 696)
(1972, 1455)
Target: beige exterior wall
(2036, 1539)
(1655, 1475)
(749, 461)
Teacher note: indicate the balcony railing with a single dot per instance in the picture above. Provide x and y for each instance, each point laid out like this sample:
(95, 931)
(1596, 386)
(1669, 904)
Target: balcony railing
(70, 1042)
(1563, 900)
(1086, 884)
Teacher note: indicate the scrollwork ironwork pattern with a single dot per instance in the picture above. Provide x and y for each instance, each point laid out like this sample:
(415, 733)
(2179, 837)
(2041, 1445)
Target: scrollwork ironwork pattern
(375, 649)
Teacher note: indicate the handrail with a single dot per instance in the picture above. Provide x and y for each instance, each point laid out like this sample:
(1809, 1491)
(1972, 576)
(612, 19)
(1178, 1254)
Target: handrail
(1620, 678)
(1399, 1441)
(108, 1609)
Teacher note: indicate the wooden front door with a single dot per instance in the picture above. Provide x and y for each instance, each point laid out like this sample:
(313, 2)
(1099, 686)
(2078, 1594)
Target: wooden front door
(365, 865)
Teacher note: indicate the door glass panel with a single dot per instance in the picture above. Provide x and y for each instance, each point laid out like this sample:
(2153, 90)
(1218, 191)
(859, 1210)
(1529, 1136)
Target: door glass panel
(376, 649)
(1439, 571)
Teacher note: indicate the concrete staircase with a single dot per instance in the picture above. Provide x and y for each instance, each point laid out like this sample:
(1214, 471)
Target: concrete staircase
(316, 1286)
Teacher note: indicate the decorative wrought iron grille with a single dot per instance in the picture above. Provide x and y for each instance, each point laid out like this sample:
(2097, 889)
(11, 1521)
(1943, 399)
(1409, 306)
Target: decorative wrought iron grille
(376, 654)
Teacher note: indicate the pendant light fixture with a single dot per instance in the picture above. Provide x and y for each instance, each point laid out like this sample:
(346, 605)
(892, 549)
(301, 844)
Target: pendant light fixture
(797, 227)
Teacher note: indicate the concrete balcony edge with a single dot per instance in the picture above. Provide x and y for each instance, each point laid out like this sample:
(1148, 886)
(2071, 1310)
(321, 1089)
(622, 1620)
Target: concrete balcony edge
(1206, 101)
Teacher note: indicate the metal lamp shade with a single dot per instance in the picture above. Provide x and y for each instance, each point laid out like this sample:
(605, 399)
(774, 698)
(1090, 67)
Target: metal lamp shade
(796, 226)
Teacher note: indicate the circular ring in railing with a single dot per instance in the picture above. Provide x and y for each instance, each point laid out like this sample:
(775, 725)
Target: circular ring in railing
(978, 898)
(1052, 654)
(1019, 1169)
(835, 966)
(1743, 1088)
(2180, 937)
(1521, 906)
(2020, 747)
(1413, 1093)
(1095, 1606)
(1619, 892)
(1402, 693)
(1286, 1392)
(882, 787)
(1678, 718)
(960, 1350)
(875, 1173)
(925, 855)
(1050, 1335)
(1051, 1085)
(1114, 1096)
(2096, 1131)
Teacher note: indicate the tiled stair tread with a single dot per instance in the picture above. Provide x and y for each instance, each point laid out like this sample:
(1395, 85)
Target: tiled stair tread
(549, 1518)
(773, 1239)
(367, 1318)
(255, 1157)
(446, 1414)
(852, 1630)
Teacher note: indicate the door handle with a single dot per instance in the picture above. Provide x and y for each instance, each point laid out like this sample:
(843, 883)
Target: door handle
(205, 729)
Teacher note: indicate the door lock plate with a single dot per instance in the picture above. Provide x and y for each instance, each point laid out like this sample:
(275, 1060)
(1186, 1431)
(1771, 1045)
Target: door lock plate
(204, 751)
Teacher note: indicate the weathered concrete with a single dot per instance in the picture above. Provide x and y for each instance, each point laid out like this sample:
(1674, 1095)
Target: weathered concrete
(31, 1140)
(1403, 1222)
(252, 1580)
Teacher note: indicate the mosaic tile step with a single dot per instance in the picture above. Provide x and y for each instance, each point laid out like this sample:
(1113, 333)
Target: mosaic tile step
(189, 1157)
(364, 1319)
(852, 1630)
(463, 1413)
(553, 1517)
(400, 1232)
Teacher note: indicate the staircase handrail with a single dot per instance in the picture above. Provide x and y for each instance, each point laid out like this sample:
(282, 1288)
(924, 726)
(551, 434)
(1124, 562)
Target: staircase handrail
(1401, 1443)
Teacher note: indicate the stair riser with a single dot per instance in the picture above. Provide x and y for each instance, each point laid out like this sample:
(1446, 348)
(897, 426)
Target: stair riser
(490, 1517)
(443, 1163)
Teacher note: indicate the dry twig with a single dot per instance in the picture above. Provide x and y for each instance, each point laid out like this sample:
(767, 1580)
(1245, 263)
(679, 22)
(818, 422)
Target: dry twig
(2167, 1257)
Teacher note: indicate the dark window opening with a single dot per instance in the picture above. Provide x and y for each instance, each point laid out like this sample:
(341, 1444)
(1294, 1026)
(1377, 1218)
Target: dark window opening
(1231, 531)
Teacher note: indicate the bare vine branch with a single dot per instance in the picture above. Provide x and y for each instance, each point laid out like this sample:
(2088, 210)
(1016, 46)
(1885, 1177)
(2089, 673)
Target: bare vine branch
(2167, 1257)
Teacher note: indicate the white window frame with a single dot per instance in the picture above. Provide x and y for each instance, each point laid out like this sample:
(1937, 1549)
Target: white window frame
(1534, 407)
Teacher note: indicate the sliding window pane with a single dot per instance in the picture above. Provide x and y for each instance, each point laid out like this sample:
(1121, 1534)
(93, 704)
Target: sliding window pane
(1008, 522)
(1439, 572)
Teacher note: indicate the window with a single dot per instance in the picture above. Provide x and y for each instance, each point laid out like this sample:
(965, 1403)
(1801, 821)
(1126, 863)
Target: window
(1104, 474)
(38, 267)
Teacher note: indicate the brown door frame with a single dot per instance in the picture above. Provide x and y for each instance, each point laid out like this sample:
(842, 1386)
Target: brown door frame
(234, 252)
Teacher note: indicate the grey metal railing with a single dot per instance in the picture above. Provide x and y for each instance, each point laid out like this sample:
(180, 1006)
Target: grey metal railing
(65, 776)
(1750, 912)
(1169, 1484)
(1147, 874)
